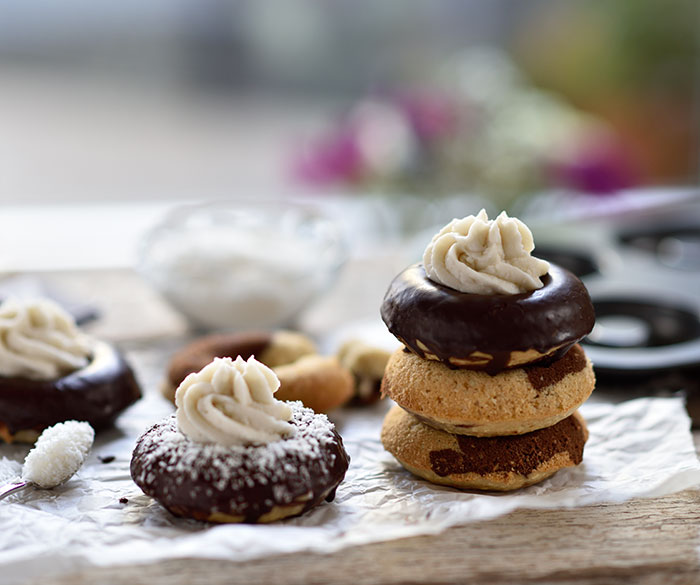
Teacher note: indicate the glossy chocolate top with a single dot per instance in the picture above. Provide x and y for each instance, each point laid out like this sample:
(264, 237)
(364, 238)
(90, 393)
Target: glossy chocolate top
(452, 324)
(521, 454)
(96, 394)
(198, 480)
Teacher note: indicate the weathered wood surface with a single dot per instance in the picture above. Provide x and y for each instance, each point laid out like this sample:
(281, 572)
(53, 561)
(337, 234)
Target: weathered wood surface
(641, 542)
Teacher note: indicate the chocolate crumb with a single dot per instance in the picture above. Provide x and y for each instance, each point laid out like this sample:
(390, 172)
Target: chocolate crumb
(106, 458)
(123, 500)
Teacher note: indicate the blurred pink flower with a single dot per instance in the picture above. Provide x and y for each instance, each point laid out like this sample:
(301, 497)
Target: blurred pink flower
(334, 158)
(599, 166)
(431, 115)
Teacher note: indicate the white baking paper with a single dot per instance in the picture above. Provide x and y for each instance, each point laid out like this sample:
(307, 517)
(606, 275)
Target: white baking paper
(640, 448)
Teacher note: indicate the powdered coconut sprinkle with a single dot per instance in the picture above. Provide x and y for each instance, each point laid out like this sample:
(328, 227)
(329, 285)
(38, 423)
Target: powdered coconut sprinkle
(247, 480)
(58, 453)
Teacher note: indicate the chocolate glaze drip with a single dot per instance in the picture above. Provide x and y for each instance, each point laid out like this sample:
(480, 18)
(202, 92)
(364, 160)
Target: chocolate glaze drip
(520, 454)
(542, 376)
(186, 485)
(96, 393)
(201, 352)
(453, 324)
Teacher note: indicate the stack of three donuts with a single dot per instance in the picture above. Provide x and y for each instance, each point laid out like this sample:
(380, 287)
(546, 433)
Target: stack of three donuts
(487, 387)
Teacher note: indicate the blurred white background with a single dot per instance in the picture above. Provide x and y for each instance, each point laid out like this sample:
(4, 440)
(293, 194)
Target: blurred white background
(112, 112)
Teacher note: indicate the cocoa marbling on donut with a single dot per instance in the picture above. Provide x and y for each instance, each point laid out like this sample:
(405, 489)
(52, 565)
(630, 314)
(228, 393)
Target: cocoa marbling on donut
(96, 394)
(483, 463)
(253, 484)
(487, 332)
(321, 383)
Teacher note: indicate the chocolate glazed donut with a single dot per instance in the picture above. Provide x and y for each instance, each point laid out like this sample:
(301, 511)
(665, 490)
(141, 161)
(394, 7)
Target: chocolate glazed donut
(437, 322)
(256, 483)
(96, 393)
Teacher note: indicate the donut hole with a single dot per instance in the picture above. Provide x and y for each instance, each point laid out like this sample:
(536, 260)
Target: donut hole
(577, 261)
(633, 323)
(620, 331)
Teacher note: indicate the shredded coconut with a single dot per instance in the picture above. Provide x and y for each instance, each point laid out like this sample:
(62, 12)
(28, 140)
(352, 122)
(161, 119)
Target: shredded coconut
(58, 453)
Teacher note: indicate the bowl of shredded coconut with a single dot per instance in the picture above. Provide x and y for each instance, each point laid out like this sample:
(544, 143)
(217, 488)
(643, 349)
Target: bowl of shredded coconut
(242, 264)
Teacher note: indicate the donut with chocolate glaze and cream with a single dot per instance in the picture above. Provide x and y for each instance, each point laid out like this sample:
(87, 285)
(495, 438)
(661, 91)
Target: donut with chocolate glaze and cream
(492, 325)
(233, 453)
(51, 372)
(320, 382)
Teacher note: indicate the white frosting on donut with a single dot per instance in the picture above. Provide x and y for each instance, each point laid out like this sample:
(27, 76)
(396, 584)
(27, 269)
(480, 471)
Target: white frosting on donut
(481, 256)
(40, 341)
(231, 403)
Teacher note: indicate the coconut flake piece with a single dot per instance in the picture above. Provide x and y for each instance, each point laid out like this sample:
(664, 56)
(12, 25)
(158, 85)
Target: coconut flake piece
(58, 453)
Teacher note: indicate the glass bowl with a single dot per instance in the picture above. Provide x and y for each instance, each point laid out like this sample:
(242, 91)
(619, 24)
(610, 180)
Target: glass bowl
(242, 264)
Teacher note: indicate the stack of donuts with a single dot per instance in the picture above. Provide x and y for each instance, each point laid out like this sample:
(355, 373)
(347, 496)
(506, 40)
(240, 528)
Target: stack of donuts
(488, 383)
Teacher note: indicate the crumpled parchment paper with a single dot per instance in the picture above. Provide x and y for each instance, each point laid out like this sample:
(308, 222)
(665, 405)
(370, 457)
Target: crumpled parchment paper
(640, 448)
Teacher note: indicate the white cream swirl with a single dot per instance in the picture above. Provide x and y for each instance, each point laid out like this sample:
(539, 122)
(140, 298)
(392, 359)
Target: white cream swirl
(231, 403)
(481, 256)
(40, 341)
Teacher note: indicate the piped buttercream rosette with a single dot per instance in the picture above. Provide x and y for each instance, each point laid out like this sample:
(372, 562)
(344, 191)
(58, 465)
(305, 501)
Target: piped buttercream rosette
(481, 256)
(231, 402)
(40, 341)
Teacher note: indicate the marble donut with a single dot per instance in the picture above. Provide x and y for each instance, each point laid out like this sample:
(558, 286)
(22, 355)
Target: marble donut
(96, 394)
(252, 484)
(366, 363)
(492, 463)
(320, 382)
(472, 402)
(487, 332)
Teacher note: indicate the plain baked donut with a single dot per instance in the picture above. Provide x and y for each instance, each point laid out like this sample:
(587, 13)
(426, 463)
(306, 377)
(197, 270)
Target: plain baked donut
(257, 483)
(96, 394)
(321, 383)
(487, 332)
(471, 402)
(483, 463)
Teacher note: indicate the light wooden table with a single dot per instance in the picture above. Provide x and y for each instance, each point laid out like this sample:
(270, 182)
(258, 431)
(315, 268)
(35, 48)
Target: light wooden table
(641, 542)
(644, 541)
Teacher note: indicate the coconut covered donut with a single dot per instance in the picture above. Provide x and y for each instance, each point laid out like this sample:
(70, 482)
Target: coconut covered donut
(321, 383)
(472, 402)
(483, 463)
(51, 372)
(233, 453)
